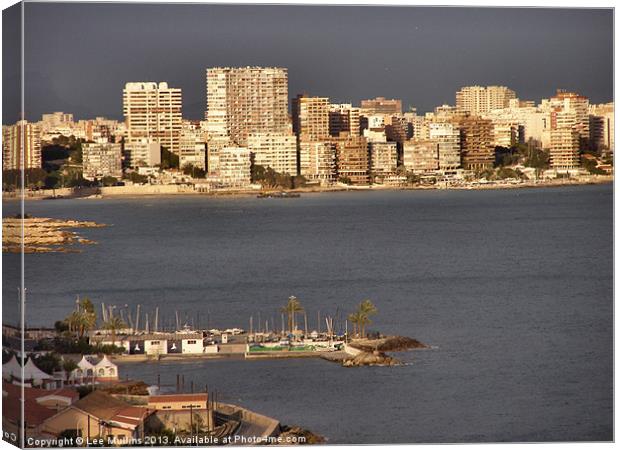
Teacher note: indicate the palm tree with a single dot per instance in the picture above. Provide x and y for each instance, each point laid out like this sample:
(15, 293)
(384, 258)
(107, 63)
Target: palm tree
(292, 308)
(361, 317)
(113, 324)
(368, 309)
(68, 365)
(356, 319)
(82, 318)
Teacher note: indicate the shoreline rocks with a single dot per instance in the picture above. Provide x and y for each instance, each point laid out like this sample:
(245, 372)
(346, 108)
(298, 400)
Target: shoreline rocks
(371, 359)
(294, 433)
(43, 235)
(388, 344)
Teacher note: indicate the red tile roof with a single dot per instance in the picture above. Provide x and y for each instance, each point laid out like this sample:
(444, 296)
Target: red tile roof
(177, 398)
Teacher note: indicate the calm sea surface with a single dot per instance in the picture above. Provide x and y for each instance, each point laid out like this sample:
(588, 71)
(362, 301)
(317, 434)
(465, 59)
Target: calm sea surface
(512, 288)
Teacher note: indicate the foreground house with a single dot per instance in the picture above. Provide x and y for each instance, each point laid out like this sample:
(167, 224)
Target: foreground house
(99, 415)
(39, 405)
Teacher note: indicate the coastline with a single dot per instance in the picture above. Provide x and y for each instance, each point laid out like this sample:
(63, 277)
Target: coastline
(128, 192)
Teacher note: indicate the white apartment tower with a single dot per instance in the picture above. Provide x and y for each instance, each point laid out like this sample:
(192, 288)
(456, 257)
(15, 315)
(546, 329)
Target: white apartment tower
(317, 161)
(447, 137)
(152, 116)
(480, 100)
(21, 146)
(245, 100)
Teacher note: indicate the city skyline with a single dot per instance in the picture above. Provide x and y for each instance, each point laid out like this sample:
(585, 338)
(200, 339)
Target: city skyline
(450, 51)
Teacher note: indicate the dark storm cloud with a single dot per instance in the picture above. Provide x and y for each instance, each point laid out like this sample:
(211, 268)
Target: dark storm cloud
(79, 56)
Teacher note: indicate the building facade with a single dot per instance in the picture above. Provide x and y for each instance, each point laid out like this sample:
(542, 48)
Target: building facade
(235, 167)
(310, 117)
(421, 156)
(480, 100)
(381, 106)
(352, 158)
(344, 118)
(383, 158)
(152, 115)
(275, 150)
(21, 146)
(477, 149)
(246, 100)
(448, 139)
(317, 161)
(102, 160)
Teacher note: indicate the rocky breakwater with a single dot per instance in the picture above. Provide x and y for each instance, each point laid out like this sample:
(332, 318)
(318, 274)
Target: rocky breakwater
(43, 235)
(370, 359)
(371, 352)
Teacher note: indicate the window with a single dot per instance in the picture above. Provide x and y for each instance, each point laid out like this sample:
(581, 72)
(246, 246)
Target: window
(154, 342)
(191, 342)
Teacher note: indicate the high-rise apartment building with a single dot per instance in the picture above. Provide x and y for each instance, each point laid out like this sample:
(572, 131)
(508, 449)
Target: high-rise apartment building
(246, 100)
(102, 159)
(344, 118)
(477, 149)
(480, 100)
(448, 139)
(564, 140)
(421, 156)
(55, 119)
(579, 105)
(602, 127)
(352, 158)
(381, 106)
(152, 115)
(21, 146)
(275, 150)
(310, 117)
(383, 158)
(317, 161)
(564, 149)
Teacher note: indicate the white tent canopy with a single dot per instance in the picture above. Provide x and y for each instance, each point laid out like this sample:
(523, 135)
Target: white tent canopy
(32, 372)
(11, 369)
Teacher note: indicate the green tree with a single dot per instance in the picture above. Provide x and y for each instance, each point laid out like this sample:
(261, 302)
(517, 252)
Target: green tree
(291, 309)
(361, 317)
(195, 172)
(48, 363)
(83, 318)
(68, 365)
(136, 178)
(356, 319)
(169, 160)
(113, 325)
(345, 180)
(109, 181)
(367, 308)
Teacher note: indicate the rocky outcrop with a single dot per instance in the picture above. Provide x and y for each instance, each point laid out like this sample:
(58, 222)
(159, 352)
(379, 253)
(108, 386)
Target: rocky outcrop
(370, 359)
(43, 235)
(297, 435)
(388, 344)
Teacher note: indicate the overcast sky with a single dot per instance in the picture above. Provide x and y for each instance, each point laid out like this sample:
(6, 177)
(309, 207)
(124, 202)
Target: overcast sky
(79, 56)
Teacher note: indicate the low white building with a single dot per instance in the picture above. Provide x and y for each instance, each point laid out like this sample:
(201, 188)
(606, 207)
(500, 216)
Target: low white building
(234, 167)
(275, 150)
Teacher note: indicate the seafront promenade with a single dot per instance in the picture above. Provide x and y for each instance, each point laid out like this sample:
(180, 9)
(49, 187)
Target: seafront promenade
(150, 190)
